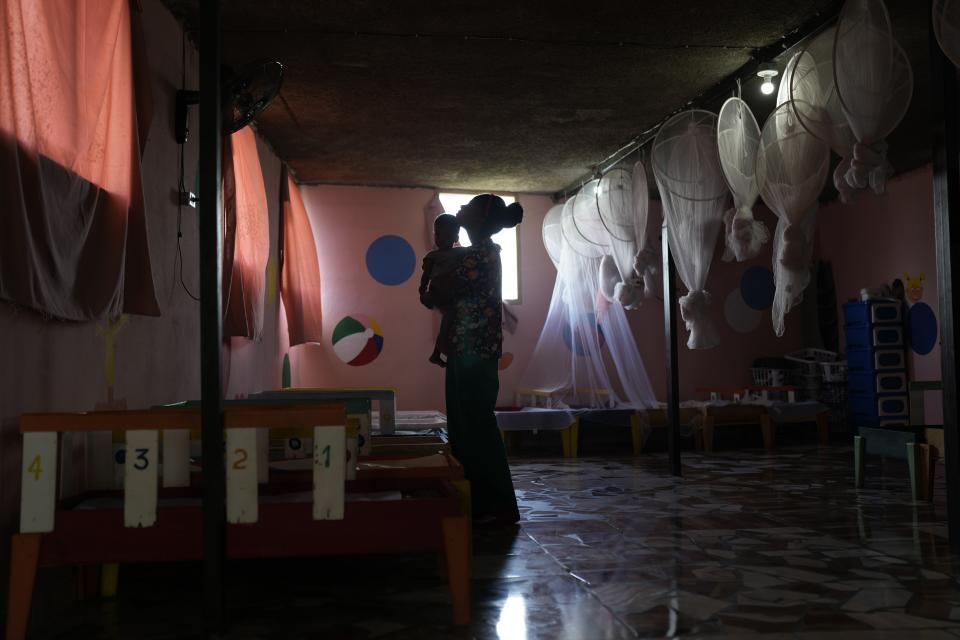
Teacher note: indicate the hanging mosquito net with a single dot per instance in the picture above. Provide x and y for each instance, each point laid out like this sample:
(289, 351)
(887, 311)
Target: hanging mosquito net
(626, 270)
(553, 234)
(586, 356)
(648, 258)
(810, 82)
(686, 165)
(874, 85)
(946, 28)
(792, 168)
(738, 137)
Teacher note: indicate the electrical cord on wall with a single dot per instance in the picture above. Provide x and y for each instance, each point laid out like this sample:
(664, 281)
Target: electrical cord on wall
(181, 170)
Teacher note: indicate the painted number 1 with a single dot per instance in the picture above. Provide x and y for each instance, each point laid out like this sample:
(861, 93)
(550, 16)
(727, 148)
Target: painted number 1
(326, 453)
(35, 468)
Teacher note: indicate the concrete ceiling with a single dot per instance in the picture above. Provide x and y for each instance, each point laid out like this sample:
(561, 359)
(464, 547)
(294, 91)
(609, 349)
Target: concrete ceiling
(507, 95)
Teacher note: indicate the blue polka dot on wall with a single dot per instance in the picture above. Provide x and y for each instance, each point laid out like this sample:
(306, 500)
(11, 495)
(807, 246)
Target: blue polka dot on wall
(391, 260)
(923, 328)
(757, 288)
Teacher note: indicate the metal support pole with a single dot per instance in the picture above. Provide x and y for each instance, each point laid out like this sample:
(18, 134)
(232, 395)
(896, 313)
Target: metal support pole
(211, 319)
(946, 213)
(673, 374)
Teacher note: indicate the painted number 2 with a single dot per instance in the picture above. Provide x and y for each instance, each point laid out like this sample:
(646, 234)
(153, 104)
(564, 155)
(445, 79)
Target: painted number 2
(35, 468)
(241, 461)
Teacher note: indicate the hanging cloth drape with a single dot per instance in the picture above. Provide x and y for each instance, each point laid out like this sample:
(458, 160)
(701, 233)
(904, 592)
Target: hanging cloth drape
(738, 137)
(792, 168)
(300, 267)
(246, 246)
(874, 85)
(686, 165)
(73, 233)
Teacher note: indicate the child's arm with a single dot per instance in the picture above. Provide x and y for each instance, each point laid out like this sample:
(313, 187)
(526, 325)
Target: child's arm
(427, 268)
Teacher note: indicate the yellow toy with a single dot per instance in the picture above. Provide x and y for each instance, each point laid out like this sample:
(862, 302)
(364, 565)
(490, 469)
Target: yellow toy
(914, 286)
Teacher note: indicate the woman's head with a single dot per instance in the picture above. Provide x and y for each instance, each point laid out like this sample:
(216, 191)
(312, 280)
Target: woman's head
(487, 214)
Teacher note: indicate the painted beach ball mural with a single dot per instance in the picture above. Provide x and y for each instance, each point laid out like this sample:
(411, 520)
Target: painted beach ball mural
(357, 340)
(575, 342)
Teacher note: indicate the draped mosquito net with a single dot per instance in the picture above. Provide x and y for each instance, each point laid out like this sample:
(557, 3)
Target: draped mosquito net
(792, 168)
(738, 138)
(586, 356)
(686, 165)
(811, 87)
(874, 85)
(946, 28)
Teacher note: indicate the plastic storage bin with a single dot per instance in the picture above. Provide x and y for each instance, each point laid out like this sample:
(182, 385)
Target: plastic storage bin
(858, 337)
(868, 359)
(887, 336)
(881, 312)
(891, 382)
(864, 313)
(767, 377)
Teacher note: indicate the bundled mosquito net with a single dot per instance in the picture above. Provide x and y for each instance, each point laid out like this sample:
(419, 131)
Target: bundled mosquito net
(874, 83)
(738, 138)
(647, 258)
(946, 28)
(627, 270)
(811, 87)
(686, 165)
(552, 234)
(586, 356)
(792, 168)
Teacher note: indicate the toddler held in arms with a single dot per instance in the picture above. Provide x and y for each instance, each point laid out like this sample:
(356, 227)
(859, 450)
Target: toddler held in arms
(438, 265)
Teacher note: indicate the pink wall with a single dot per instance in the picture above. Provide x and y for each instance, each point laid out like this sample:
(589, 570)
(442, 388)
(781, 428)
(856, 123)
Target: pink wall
(875, 239)
(345, 221)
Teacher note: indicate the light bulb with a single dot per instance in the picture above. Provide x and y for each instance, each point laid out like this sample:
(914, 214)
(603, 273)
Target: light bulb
(767, 72)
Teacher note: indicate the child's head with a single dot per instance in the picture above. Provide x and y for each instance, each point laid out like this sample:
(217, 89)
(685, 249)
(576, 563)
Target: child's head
(446, 230)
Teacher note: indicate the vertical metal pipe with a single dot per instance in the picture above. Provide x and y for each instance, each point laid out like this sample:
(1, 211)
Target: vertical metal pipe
(670, 332)
(211, 318)
(946, 213)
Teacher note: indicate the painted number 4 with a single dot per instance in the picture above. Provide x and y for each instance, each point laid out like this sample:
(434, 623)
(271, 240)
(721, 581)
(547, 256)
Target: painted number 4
(35, 468)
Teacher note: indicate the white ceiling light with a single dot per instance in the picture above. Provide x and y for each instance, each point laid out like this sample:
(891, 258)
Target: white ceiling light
(767, 71)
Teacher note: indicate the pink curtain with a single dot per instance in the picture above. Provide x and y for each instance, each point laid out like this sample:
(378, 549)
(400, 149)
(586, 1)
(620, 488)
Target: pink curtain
(73, 232)
(246, 244)
(300, 269)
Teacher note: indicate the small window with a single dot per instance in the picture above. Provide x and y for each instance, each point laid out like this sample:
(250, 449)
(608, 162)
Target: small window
(507, 239)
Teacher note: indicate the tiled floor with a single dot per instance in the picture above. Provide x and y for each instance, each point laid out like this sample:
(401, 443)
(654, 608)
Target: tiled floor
(745, 545)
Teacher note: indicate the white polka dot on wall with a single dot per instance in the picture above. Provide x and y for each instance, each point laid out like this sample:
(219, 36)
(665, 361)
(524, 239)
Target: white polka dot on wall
(740, 316)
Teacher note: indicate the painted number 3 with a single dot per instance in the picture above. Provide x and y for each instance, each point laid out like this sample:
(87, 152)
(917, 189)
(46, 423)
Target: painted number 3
(142, 462)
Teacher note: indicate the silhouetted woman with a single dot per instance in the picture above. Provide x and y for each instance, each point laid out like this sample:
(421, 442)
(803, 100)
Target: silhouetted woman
(475, 342)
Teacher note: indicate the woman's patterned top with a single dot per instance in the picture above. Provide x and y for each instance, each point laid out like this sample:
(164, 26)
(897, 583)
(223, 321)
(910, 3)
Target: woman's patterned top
(477, 323)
